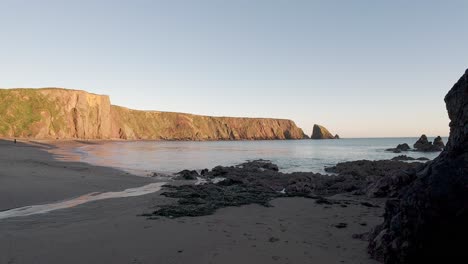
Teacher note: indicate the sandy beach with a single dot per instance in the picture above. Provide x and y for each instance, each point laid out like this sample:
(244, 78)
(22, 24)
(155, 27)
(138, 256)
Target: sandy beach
(294, 230)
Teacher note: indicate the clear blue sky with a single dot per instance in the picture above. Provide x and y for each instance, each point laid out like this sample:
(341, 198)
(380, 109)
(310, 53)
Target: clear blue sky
(361, 68)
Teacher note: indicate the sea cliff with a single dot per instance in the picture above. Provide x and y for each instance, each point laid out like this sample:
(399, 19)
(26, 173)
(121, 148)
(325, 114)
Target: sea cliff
(55, 113)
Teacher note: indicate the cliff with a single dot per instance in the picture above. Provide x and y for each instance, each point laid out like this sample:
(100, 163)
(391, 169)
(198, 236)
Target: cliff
(427, 222)
(52, 113)
(320, 132)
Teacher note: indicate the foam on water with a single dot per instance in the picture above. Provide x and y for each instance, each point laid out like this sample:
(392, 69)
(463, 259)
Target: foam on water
(90, 197)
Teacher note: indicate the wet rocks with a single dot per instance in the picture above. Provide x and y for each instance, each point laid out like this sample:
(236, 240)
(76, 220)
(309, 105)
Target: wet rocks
(259, 181)
(198, 200)
(187, 175)
(427, 221)
(371, 169)
(406, 158)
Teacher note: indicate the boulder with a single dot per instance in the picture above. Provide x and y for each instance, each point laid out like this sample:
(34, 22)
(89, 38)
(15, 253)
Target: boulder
(320, 132)
(427, 222)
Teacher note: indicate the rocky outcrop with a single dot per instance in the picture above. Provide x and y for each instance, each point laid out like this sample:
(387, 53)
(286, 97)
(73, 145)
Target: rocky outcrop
(406, 158)
(320, 132)
(54, 113)
(400, 148)
(337, 136)
(438, 142)
(425, 145)
(426, 223)
(260, 181)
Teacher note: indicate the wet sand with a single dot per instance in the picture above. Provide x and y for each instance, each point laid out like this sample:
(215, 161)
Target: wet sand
(294, 230)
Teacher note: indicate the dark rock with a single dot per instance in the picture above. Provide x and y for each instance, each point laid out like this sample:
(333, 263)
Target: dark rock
(403, 157)
(204, 171)
(371, 169)
(422, 142)
(438, 142)
(427, 223)
(259, 181)
(426, 146)
(400, 148)
(422, 159)
(391, 185)
(341, 225)
(406, 158)
(320, 132)
(188, 174)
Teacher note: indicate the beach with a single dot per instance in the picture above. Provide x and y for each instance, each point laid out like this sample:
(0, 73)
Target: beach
(293, 230)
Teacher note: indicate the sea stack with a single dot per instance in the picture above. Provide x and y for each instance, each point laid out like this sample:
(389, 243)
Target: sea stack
(427, 223)
(426, 146)
(320, 132)
(438, 142)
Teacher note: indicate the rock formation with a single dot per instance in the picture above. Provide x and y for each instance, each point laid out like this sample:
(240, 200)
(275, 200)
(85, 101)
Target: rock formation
(400, 148)
(52, 113)
(438, 142)
(427, 223)
(259, 181)
(426, 146)
(320, 132)
(336, 136)
(406, 158)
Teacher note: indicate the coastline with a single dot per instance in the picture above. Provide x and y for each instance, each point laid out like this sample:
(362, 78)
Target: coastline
(31, 175)
(110, 231)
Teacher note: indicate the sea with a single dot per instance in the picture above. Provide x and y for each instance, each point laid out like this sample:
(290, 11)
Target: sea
(146, 157)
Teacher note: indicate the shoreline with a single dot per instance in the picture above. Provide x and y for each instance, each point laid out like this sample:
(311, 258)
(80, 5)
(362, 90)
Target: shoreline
(31, 175)
(303, 229)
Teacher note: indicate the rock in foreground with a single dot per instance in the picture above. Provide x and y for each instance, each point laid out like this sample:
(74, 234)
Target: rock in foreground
(258, 182)
(427, 223)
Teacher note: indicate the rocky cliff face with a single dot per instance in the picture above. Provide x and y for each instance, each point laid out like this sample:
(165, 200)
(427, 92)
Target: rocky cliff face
(320, 132)
(133, 124)
(54, 113)
(68, 114)
(427, 223)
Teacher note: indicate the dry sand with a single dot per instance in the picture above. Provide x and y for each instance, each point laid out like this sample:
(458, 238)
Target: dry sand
(294, 230)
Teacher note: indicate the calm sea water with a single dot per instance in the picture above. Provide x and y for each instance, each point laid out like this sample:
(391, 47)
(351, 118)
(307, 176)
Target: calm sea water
(145, 157)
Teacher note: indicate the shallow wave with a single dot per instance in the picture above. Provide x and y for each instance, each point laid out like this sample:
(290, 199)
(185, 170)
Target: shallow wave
(90, 197)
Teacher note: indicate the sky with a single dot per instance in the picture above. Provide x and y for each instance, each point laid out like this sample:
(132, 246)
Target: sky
(361, 68)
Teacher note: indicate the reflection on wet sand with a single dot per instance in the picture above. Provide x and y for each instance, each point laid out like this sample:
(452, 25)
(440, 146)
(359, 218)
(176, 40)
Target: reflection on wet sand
(45, 208)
